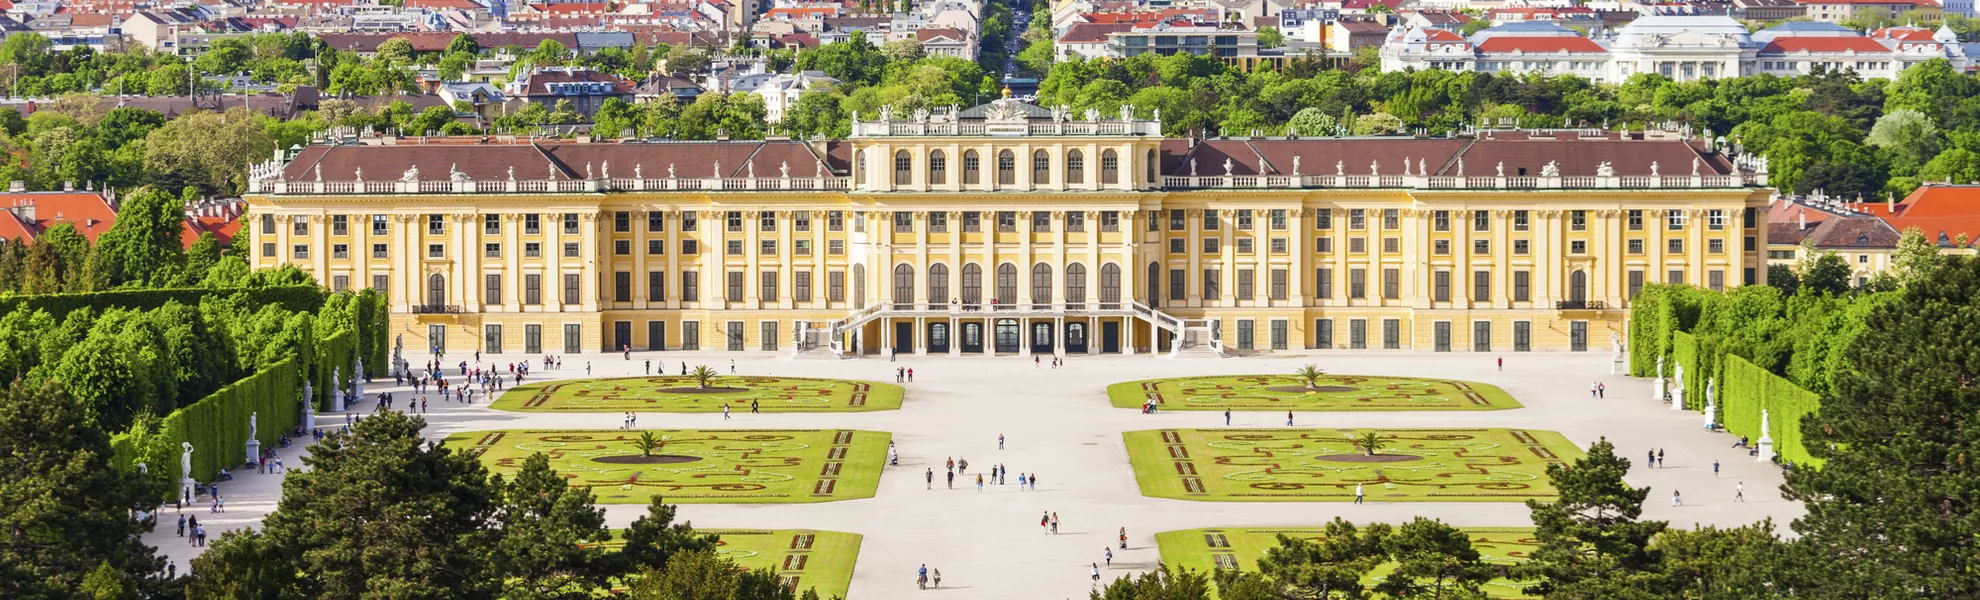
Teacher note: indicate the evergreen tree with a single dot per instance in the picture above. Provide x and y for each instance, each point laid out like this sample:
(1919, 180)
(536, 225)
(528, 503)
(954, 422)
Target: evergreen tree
(1159, 584)
(1332, 568)
(1891, 513)
(1734, 563)
(1591, 543)
(653, 539)
(549, 535)
(701, 575)
(66, 515)
(1434, 561)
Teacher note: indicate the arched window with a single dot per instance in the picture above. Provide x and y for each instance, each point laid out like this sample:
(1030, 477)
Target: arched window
(938, 283)
(1110, 283)
(972, 168)
(1154, 297)
(1041, 168)
(436, 290)
(859, 286)
(1007, 283)
(1041, 283)
(938, 168)
(904, 284)
(1110, 167)
(1075, 283)
(1578, 286)
(1006, 168)
(1075, 167)
(903, 168)
(1150, 167)
(972, 284)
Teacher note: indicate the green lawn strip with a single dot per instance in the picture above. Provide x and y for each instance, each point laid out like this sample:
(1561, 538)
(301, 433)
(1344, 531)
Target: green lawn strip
(1323, 465)
(713, 466)
(1241, 547)
(826, 563)
(670, 393)
(1330, 393)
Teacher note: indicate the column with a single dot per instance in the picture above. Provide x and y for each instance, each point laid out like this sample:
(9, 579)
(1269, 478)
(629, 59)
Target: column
(673, 259)
(553, 273)
(1025, 259)
(360, 253)
(752, 249)
(639, 287)
(469, 261)
(319, 235)
(1192, 272)
(406, 254)
(922, 226)
(1461, 263)
(955, 338)
(787, 256)
(512, 254)
(1300, 261)
(1227, 257)
(1544, 258)
(1502, 258)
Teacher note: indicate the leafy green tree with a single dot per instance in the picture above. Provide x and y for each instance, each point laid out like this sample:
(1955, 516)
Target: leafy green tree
(144, 245)
(1910, 137)
(1311, 122)
(208, 150)
(1434, 561)
(1738, 562)
(242, 563)
(1887, 512)
(1783, 279)
(30, 52)
(380, 512)
(1956, 165)
(1269, 37)
(1377, 124)
(64, 509)
(1160, 584)
(550, 52)
(1331, 568)
(399, 50)
(1369, 441)
(1592, 544)
(855, 61)
(1824, 272)
(549, 535)
(701, 575)
(1916, 258)
(463, 43)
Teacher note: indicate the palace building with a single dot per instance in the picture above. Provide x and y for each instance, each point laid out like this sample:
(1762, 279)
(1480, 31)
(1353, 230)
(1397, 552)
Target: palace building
(1009, 228)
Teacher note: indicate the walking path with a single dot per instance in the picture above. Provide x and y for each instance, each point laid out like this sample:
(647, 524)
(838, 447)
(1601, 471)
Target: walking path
(1058, 423)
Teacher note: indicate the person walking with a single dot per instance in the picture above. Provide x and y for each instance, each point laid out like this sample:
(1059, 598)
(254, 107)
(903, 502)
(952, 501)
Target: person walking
(1715, 468)
(1045, 522)
(1109, 552)
(931, 478)
(922, 577)
(732, 366)
(649, 367)
(1123, 540)
(938, 579)
(910, 374)
(754, 409)
(1591, 391)
(1034, 482)
(1055, 523)
(1096, 571)
(587, 368)
(962, 466)
(1651, 459)
(725, 412)
(1739, 492)
(1502, 363)
(1000, 441)
(952, 480)
(1289, 418)
(1601, 390)
(979, 483)
(1357, 493)
(182, 525)
(1660, 458)
(1020, 482)
(171, 569)
(1676, 500)
(1227, 417)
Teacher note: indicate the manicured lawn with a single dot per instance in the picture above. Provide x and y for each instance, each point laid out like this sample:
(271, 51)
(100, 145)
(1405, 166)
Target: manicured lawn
(1308, 465)
(680, 394)
(1241, 547)
(708, 466)
(1331, 393)
(807, 558)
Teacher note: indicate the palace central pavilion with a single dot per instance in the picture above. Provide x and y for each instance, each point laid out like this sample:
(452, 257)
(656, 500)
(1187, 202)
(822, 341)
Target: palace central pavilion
(1013, 229)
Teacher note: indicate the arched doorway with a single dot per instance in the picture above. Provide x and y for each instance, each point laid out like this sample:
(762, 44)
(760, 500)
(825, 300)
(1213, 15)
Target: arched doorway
(1076, 286)
(1041, 337)
(1008, 336)
(1007, 284)
(1578, 287)
(436, 290)
(972, 285)
(972, 338)
(1075, 338)
(1110, 283)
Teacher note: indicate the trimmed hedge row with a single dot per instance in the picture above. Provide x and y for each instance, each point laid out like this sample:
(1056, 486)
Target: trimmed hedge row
(299, 298)
(1750, 389)
(217, 425)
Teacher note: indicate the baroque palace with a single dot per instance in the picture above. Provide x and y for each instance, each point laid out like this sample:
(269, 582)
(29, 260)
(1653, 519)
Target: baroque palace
(1009, 228)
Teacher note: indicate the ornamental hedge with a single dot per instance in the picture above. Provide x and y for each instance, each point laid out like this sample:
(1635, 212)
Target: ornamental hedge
(217, 426)
(1750, 389)
(296, 298)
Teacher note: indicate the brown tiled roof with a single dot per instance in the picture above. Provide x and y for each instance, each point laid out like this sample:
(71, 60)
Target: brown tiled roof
(1855, 231)
(1788, 232)
(1092, 33)
(550, 159)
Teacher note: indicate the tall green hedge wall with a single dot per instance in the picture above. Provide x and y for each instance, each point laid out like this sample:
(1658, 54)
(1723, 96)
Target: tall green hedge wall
(217, 425)
(1750, 389)
(301, 298)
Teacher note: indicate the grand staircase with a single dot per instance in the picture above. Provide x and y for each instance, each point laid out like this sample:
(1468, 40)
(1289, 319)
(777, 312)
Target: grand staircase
(1193, 338)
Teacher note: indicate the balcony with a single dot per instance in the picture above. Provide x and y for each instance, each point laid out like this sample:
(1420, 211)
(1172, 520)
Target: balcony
(1579, 305)
(437, 309)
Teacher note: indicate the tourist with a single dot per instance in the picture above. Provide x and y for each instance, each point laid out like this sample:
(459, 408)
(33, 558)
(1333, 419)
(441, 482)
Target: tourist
(1652, 458)
(1502, 363)
(979, 483)
(1739, 492)
(587, 368)
(1715, 468)
(952, 480)
(910, 373)
(1676, 500)
(732, 366)
(182, 525)
(1096, 571)
(962, 466)
(922, 577)
(171, 569)
(1289, 418)
(684, 370)
(1034, 481)
(1109, 553)
(1123, 541)
(938, 579)
(931, 478)
(1055, 523)
(1601, 390)
(1021, 481)
(1227, 417)
(1592, 390)
(649, 367)
(1045, 522)
(754, 409)
(1000, 441)
(725, 412)
(952, 463)
(1660, 458)
(1357, 493)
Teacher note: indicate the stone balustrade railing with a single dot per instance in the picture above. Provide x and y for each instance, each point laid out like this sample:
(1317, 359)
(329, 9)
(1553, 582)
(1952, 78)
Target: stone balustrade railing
(543, 186)
(1469, 182)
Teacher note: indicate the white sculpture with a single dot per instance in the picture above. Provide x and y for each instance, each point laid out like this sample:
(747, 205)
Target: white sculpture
(670, 170)
(1340, 168)
(750, 167)
(1422, 167)
(1460, 167)
(1605, 170)
(411, 175)
(1227, 167)
(1659, 387)
(1295, 166)
(1551, 169)
(1677, 394)
(512, 172)
(784, 170)
(587, 170)
(605, 169)
(254, 433)
(1711, 412)
(359, 176)
(1653, 168)
(1694, 166)
(1766, 445)
(1192, 167)
(185, 461)
(1374, 167)
(718, 169)
(639, 171)
(1502, 168)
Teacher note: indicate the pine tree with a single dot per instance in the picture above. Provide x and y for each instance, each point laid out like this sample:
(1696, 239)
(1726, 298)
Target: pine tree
(1434, 561)
(1591, 543)
(655, 538)
(549, 533)
(1332, 568)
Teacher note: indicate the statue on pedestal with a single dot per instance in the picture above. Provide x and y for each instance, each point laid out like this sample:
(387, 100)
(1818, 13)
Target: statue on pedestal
(185, 461)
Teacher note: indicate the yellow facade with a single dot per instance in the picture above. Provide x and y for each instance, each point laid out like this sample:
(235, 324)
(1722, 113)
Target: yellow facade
(1117, 250)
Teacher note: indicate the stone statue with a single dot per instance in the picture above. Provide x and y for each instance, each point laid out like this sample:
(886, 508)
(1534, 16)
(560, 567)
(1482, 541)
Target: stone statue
(185, 460)
(639, 171)
(309, 395)
(1615, 341)
(1653, 168)
(605, 169)
(512, 172)
(1694, 166)
(1660, 367)
(319, 172)
(1711, 389)
(1375, 167)
(750, 167)
(587, 171)
(1460, 167)
(254, 433)
(1422, 167)
(357, 372)
(1679, 376)
(1766, 443)
(1295, 166)
(670, 170)
(1340, 168)
(1552, 169)
(359, 177)
(784, 170)
(412, 175)
(1502, 168)
(718, 169)
(454, 173)
(1227, 167)
(1192, 167)
(1605, 169)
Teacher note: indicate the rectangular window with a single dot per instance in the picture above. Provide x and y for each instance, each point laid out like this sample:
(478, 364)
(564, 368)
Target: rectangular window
(690, 286)
(573, 338)
(494, 288)
(1323, 218)
(766, 221)
(1522, 247)
(532, 250)
(1440, 220)
(1076, 221)
(1177, 285)
(1578, 220)
(938, 222)
(378, 224)
(1212, 283)
(1749, 243)
(903, 222)
(734, 335)
(801, 286)
(1006, 221)
(570, 223)
(656, 286)
(1440, 286)
(533, 339)
(1357, 334)
(1244, 245)
(1578, 247)
(1176, 245)
(1210, 220)
(1246, 285)
(622, 286)
(1636, 219)
(1481, 286)
(1391, 219)
(532, 289)
(340, 283)
(301, 224)
(1391, 283)
(532, 224)
(1323, 334)
(972, 222)
(1441, 248)
(835, 286)
(1041, 221)
(1674, 220)
(1357, 245)
(735, 286)
(1279, 245)
(1715, 219)
(302, 250)
(341, 225)
(1323, 282)
(766, 247)
(835, 220)
(340, 251)
(621, 221)
(690, 335)
(801, 247)
(1675, 245)
(835, 247)
(767, 288)
(734, 247)
(656, 246)
(733, 221)
(1716, 279)
(768, 342)
(1522, 336)
(1279, 334)
(491, 250)
(1244, 219)
(1520, 220)
(1715, 246)
(1675, 276)
(380, 282)
(1323, 245)
(656, 221)
(1522, 286)
(1279, 278)
(1357, 283)
(1481, 336)
(572, 287)
(1481, 220)
(1211, 245)
(1176, 220)
(1357, 219)
(1635, 246)
(1392, 334)
(1635, 283)
(1391, 245)
(1278, 219)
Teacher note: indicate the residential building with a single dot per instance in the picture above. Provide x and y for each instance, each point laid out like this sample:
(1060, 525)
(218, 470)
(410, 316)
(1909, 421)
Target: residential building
(780, 91)
(585, 89)
(1836, 11)
(1015, 229)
